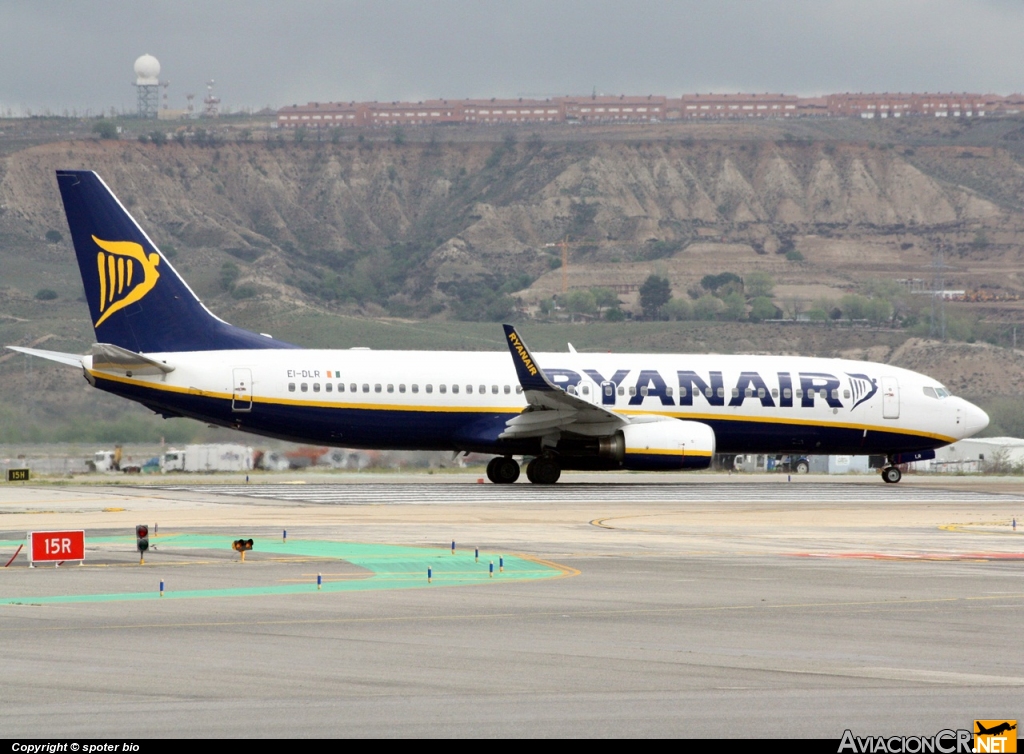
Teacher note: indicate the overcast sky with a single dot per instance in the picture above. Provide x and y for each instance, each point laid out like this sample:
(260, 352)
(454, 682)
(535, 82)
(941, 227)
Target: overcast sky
(77, 54)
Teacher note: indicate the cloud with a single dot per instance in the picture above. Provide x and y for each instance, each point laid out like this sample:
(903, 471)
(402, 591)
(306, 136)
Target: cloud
(65, 54)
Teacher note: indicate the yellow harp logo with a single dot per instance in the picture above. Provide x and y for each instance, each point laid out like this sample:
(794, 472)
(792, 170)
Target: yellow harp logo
(126, 275)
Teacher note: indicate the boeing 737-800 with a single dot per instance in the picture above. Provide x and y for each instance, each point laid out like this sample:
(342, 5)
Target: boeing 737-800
(157, 344)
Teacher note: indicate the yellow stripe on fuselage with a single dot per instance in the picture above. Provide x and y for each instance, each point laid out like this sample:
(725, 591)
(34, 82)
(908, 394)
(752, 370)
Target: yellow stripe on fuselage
(517, 409)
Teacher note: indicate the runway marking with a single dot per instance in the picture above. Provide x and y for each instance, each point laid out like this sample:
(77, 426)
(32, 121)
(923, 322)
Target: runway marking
(428, 494)
(389, 567)
(563, 612)
(974, 557)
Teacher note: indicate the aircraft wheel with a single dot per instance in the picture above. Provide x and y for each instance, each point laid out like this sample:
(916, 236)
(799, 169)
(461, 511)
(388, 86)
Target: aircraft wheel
(492, 469)
(891, 474)
(543, 471)
(802, 467)
(506, 471)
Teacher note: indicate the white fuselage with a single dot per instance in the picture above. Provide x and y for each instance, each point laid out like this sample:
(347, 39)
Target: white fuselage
(461, 400)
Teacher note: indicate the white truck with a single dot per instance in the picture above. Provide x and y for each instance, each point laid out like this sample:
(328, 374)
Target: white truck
(214, 457)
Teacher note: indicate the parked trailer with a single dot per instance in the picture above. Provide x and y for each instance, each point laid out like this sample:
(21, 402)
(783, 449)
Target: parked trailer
(215, 457)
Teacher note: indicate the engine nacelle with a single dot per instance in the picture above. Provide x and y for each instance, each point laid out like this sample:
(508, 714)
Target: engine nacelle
(669, 445)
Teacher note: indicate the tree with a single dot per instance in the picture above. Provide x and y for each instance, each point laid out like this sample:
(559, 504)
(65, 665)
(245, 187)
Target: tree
(605, 297)
(105, 129)
(762, 308)
(54, 236)
(735, 306)
(46, 294)
(714, 282)
(707, 307)
(615, 314)
(654, 294)
(758, 284)
(158, 137)
(677, 309)
(580, 302)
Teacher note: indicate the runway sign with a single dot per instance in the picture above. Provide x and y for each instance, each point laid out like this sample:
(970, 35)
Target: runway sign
(55, 546)
(17, 475)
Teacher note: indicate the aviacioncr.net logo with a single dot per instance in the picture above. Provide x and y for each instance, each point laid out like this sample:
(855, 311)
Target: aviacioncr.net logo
(126, 275)
(946, 741)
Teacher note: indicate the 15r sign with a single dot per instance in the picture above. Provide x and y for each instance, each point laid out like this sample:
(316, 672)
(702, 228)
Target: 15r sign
(55, 546)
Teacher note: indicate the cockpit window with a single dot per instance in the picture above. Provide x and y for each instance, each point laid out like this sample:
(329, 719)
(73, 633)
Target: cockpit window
(930, 392)
(936, 392)
(942, 392)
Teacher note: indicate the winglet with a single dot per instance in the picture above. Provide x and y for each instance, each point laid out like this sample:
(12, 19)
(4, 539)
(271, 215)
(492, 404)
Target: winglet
(529, 372)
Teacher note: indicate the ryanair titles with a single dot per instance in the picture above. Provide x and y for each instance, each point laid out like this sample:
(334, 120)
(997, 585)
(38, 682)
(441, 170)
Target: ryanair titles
(524, 355)
(782, 389)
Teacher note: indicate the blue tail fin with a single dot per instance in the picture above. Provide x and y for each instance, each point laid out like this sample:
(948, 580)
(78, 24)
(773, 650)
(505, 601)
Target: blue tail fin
(136, 298)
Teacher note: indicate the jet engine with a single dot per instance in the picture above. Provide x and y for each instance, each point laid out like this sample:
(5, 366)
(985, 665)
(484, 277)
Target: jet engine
(667, 445)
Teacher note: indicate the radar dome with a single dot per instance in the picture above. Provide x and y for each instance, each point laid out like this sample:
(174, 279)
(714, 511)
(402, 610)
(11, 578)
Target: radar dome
(147, 71)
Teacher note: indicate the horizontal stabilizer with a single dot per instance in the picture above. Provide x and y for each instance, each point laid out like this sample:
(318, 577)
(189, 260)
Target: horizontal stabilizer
(110, 358)
(70, 359)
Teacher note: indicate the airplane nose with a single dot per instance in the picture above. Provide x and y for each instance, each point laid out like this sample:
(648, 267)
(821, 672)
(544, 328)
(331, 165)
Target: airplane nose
(975, 420)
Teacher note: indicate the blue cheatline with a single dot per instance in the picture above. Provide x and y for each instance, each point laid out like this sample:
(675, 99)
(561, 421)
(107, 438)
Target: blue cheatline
(390, 567)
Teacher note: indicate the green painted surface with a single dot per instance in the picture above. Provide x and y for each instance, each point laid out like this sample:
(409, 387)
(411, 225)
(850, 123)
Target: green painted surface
(390, 566)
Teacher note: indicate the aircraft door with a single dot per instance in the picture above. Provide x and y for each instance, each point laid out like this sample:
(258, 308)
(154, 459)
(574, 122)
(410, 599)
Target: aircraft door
(241, 390)
(890, 398)
(608, 393)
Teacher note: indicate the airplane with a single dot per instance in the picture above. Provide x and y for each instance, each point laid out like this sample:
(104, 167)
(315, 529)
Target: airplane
(995, 730)
(157, 344)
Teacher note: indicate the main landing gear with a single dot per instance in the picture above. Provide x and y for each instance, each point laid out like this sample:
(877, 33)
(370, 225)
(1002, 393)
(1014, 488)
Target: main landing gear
(541, 470)
(502, 470)
(891, 475)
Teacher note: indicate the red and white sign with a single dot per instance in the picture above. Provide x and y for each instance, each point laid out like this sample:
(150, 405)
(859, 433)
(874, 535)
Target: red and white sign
(55, 546)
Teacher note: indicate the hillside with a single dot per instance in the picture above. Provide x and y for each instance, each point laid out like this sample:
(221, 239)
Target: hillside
(380, 243)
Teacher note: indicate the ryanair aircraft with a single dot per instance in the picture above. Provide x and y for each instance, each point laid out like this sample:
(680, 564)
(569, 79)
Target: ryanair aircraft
(158, 345)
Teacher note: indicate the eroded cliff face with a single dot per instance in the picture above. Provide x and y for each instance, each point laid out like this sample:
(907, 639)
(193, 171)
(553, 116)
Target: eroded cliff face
(416, 219)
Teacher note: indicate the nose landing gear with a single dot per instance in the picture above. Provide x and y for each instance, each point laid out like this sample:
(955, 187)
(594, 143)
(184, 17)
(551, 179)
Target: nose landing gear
(891, 475)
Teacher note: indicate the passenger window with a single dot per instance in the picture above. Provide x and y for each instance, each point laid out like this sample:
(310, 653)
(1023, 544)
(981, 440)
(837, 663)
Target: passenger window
(683, 392)
(483, 389)
(415, 388)
(570, 389)
(799, 393)
(507, 389)
(442, 388)
(430, 388)
(328, 387)
(787, 393)
(391, 388)
(708, 392)
(775, 392)
(455, 389)
(735, 393)
(586, 390)
(316, 387)
(643, 390)
(376, 388)
(352, 388)
(760, 392)
(341, 387)
(519, 389)
(291, 387)
(304, 387)
(401, 388)
(632, 391)
(469, 389)
(835, 394)
(668, 392)
(622, 390)
(846, 393)
(366, 388)
(608, 390)
(494, 389)
(721, 392)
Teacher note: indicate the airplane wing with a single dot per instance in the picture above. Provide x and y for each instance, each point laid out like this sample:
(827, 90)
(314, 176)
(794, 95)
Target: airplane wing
(550, 408)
